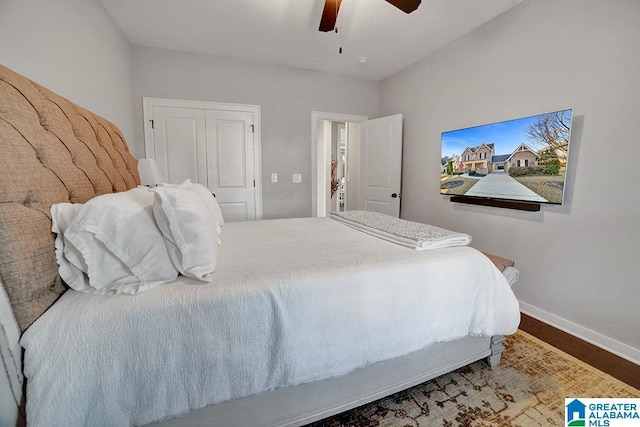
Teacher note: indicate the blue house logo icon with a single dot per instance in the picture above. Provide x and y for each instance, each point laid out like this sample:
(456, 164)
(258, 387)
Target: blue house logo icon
(576, 413)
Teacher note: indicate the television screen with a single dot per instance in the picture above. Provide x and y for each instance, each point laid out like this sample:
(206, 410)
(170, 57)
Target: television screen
(523, 159)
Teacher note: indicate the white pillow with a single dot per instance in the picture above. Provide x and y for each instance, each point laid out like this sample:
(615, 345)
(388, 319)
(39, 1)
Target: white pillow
(190, 219)
(217, 212)
(116, 242)
(61, 216)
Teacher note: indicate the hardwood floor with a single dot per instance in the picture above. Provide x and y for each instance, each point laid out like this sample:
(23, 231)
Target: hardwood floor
(615, 366)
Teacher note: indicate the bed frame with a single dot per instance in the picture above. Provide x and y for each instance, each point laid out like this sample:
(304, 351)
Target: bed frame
(305, 403)
(53, 152)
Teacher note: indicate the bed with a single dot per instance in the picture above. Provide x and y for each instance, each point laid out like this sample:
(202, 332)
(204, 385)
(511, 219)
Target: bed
(301, 319)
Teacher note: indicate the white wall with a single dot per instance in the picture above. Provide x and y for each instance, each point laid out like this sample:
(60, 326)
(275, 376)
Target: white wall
(578, 262)
(73, 48)
(286, 95)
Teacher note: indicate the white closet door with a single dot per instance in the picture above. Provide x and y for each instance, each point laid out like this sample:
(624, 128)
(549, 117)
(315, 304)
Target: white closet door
(381, 165)
(230, 168)
(214, 144)
(180, 145)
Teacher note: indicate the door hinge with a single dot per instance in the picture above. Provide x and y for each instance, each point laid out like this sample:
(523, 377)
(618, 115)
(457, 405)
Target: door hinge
(151, 124)
(254, 182)
(253, 129)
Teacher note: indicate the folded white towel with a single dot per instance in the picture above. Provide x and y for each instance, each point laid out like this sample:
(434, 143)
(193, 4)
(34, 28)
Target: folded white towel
(400, 231)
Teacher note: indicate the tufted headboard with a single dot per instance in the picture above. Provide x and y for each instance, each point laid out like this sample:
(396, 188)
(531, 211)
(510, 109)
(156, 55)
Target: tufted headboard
(51, 151)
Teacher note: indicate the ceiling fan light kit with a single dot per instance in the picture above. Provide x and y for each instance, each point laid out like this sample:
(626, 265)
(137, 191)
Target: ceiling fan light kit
(331, 8)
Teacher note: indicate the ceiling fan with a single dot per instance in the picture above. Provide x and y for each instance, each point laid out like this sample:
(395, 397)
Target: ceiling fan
(331, 7)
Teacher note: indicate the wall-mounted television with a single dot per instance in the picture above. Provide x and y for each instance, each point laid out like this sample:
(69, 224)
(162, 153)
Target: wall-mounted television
(522, 160)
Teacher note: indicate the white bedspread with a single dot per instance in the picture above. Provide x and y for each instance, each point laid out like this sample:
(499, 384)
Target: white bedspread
(291, 301)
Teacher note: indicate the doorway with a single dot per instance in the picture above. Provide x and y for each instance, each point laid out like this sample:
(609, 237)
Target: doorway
(339, 167)
(324, 126)
(344, 138)
(372, 165)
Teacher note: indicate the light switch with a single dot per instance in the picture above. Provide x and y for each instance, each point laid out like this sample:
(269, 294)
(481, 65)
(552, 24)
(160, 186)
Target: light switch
(297, 178)
(274, 177)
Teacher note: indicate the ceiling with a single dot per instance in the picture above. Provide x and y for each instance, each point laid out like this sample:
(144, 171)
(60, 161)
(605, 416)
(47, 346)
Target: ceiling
(286, 31)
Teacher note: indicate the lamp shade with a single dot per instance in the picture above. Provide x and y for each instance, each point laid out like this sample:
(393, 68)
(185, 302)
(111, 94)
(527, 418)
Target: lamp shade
(148, 171)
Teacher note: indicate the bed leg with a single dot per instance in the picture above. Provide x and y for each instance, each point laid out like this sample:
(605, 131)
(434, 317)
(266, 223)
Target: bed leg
(496, 350)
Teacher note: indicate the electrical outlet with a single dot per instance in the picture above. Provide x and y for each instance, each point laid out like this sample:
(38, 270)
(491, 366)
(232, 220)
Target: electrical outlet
(297, 178)
(274, 177)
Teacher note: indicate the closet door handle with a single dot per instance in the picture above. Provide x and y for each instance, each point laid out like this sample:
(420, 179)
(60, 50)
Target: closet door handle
(395, 195)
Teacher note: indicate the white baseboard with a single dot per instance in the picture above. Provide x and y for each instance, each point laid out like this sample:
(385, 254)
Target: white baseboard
(612, 346)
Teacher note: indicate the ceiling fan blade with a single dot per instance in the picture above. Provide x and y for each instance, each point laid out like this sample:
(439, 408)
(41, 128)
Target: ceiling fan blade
(407, 6)
(329, 15)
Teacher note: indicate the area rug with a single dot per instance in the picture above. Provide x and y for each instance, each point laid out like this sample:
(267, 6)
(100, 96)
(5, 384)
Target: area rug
(528, 388)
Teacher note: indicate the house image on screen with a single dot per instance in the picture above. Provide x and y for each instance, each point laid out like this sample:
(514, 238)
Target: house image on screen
(575, 411)
(482, 159)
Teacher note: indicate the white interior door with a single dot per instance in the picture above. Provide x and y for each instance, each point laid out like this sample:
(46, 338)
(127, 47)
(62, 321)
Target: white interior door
(214, 144)
(381, 165)
(230, 162)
